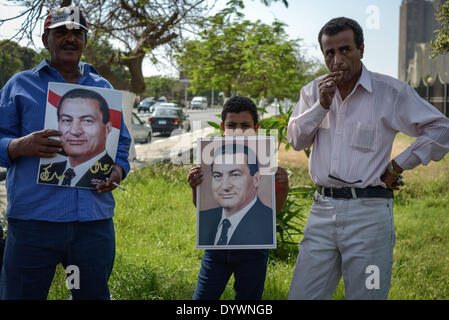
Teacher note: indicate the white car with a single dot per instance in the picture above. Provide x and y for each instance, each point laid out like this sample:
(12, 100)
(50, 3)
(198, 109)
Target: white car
(198, 103)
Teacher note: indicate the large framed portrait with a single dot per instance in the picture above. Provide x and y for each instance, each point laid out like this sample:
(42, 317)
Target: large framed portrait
(236, 207)
(89, 119)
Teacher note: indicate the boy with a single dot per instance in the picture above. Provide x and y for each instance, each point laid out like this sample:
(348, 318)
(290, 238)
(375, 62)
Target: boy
(239, 117)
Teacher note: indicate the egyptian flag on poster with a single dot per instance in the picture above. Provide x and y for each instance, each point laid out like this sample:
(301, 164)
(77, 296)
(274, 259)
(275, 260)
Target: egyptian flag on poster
(89, 120)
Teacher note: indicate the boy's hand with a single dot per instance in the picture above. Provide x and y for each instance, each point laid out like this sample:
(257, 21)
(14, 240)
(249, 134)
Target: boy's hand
(195, 177)
(281, 178)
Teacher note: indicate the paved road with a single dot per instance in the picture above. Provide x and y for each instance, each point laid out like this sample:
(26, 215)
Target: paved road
(198, 119)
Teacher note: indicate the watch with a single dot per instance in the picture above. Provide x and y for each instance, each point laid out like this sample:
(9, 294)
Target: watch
(391, 170)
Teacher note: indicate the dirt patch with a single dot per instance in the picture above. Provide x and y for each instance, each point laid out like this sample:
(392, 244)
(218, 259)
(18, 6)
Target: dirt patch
(292, 157)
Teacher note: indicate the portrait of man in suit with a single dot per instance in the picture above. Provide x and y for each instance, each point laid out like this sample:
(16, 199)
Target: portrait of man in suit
(241, 218)
(84, 122)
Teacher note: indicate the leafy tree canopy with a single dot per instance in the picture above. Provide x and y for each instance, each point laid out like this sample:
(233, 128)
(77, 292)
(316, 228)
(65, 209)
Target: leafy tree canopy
(441, 43)
(15, 58)
(135, 27)
(250, 58)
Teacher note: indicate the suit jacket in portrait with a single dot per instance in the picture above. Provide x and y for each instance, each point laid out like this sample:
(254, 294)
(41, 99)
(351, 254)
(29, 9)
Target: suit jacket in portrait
(52, 173)
(255, 228)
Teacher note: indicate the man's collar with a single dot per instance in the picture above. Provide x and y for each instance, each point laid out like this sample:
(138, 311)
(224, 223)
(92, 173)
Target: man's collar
(365, 79)
(239, 214)
(44, 64)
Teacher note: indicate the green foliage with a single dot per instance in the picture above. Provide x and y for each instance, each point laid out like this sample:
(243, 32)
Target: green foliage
(239, 3)
(15, 58)
(99, 51)
(441, 43)
(141, 275)
(136, 27)
(157, 86)
(215, 126)
(290, 222)
(280, 124)
(251, 58)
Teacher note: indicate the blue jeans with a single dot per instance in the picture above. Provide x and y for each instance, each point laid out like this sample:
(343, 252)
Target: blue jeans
(35, 248)
(249, 268)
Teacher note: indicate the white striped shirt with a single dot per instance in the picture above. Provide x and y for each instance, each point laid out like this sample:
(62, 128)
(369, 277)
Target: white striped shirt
(352, 141)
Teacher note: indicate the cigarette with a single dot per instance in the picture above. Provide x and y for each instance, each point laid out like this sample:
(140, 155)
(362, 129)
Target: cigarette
(118, 186)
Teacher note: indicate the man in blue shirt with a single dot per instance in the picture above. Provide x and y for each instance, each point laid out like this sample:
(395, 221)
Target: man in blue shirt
(48, 224)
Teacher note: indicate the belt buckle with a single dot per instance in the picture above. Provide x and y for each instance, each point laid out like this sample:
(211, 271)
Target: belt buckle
(354, 194)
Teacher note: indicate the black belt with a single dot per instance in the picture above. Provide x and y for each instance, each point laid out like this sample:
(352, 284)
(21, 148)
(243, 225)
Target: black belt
(347, 193)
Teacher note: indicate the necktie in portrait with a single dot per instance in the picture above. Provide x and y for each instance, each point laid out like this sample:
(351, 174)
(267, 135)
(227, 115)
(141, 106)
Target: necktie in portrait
(68, 176)
(224, 232)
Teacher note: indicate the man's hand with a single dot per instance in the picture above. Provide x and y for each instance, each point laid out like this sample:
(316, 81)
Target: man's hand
(390, 180)
(281, 177)
(37, 144)
(195, 177)
(116, 176)
(328, 87)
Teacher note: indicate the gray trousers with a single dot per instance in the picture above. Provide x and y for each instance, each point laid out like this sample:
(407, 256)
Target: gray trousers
(351, 238)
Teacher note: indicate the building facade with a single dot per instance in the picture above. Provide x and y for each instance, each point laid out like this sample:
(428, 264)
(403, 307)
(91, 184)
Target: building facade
(416, 25)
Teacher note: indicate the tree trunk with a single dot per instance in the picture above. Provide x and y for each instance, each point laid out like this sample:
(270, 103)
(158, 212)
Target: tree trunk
(228, 91)
(134, 65)
(117, 82)
(137, 82)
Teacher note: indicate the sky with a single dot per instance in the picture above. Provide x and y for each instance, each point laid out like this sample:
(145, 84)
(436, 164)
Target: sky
(379, 20)
(304, 19)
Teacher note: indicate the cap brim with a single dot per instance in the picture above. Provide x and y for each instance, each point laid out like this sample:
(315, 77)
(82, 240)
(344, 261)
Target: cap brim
(75, 25)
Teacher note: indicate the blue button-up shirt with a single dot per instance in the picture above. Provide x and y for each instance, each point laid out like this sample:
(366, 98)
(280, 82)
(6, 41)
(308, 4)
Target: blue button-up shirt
(22, 111)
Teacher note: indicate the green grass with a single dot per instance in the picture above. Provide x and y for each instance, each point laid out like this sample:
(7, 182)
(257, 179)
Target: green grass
(155, 236)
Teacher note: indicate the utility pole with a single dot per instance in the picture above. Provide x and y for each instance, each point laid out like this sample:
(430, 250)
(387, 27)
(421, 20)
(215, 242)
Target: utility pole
(183, 79)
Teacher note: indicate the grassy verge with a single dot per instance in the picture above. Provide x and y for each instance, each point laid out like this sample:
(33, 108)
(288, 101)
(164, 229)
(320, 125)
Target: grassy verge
(155, 236)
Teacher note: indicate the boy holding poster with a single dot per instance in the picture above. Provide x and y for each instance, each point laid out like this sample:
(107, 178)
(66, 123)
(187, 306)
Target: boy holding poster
(249, 266)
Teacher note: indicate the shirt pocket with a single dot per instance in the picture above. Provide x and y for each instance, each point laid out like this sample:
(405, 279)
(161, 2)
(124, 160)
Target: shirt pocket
(364, 137)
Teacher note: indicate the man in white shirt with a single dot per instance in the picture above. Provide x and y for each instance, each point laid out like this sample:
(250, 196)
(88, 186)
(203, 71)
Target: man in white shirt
(84, 122)
(351, 117)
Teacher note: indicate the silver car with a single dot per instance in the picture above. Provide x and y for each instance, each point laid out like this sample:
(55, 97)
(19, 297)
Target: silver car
(141, 131)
